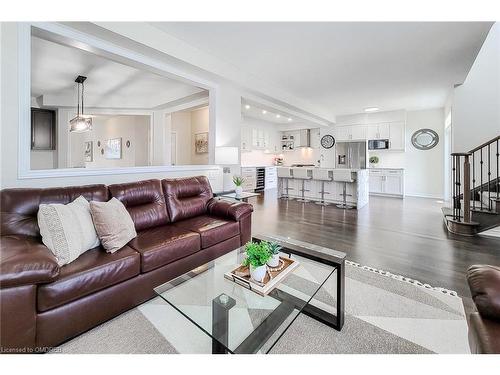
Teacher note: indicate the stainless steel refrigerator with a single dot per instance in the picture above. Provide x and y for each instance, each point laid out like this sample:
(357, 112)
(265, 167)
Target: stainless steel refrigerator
(351, 155)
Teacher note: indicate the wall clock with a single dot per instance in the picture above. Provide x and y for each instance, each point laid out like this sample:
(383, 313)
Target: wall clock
(327, 141)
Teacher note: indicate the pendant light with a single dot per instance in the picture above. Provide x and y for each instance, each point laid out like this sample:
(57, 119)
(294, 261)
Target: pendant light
(80, 123)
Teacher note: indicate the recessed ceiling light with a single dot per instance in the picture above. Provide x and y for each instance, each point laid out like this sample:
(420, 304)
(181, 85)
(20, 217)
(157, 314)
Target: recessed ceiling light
(264, 111)
(289, 119)
(278, 115)
(247, 106)
(372, 109)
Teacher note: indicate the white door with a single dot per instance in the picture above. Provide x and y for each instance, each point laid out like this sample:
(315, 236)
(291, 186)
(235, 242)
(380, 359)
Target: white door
(393, 184)
(372, 132)
(342, 133)
(383, 131)
(397, 136)
(173, 149)
(358, 132)
(376, 182)
(255, 138)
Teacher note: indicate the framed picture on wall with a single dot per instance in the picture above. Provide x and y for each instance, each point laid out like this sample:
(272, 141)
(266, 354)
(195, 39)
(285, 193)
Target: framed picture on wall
(201, 143)
(113, 148)
(88, 153)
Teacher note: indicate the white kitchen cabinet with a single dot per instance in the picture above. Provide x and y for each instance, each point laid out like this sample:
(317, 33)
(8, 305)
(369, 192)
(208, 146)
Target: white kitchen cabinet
(342, 133)
(315, 138)
(378, 131)
(393, 185)
(386, 182)
(271, 181)
(350, 133)
(250, 178)
(246, 139)
(376, 182)
(397, 136)
(358, 132)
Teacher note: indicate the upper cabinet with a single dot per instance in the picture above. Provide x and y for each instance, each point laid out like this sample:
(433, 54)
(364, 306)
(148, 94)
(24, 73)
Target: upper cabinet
(259, 139)
(397, 136)
(43, 129)
(246, 139)
(393, 131)
(350, 133)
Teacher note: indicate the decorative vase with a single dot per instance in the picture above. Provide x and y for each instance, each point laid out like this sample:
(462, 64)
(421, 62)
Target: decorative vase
(274, 261)
(238, 190)
(258, 273)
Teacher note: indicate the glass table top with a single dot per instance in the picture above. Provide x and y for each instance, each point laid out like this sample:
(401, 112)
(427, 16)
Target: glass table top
(236, 318)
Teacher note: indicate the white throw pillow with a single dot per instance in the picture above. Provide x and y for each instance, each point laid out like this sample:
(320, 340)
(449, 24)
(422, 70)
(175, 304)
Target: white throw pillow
(67, 229)
(113, 224)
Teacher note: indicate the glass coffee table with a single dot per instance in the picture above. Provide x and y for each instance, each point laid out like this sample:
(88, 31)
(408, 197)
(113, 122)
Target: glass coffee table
(237, 319)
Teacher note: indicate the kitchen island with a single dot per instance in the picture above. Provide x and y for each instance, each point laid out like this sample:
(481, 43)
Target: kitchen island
(357, 190)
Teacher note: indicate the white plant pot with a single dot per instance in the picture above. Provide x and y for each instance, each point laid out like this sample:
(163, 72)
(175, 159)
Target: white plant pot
(274, 261)
(238, 190)
(258, 273)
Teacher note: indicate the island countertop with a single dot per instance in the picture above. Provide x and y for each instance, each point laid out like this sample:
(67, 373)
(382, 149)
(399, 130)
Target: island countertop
(357, 189)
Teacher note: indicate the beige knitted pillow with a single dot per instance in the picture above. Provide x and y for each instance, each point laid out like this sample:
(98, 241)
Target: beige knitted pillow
(113, 224)
(67, 229)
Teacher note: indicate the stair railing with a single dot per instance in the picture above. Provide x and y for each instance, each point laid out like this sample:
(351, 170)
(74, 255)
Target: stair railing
(461, 186)
(487, 173)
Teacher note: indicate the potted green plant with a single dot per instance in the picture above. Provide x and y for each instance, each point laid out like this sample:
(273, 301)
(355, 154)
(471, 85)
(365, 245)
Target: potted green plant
(238, 183)
(373, 161)
(257, 257)
(274, 251)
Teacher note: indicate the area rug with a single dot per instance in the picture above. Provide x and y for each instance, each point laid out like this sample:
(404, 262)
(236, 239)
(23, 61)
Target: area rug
(385, 313)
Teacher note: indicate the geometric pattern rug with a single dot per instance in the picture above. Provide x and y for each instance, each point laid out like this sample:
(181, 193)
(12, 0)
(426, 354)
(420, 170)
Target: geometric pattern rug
(384, 314)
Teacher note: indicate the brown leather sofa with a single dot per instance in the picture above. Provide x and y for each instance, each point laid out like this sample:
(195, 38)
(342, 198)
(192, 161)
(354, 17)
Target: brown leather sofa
(484, 325)
(179, 225)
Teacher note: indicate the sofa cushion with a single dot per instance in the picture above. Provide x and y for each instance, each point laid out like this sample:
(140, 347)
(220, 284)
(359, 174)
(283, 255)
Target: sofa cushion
(484, 284)
(211, 229)
(484, 335)
(165, 244)
(25, 260)
(19, 206)
(186, 197)
(91, 272)
(144, 201)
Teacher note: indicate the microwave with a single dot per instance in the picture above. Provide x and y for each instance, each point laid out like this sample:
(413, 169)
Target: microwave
(378, 144)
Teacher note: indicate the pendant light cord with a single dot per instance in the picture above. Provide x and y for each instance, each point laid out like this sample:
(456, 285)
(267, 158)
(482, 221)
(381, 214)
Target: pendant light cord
(83, 86)
(78, 102)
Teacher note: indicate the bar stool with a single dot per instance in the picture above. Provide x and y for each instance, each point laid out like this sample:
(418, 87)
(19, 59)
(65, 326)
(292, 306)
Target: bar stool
(302, 174)
(345, 176)
(322, 175)
(284, 176)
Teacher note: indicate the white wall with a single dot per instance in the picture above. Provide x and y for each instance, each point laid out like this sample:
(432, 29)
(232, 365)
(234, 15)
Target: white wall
(129, 128)
(476, 103)
(181, 125)
(424, 170)
(43, 159)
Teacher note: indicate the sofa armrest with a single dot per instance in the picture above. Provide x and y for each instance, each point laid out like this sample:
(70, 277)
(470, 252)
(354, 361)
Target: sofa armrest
(227, 209)
(484, 285)
(24, 261)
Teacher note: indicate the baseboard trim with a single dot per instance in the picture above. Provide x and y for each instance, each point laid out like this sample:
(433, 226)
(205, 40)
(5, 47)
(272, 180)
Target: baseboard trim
(424, 196)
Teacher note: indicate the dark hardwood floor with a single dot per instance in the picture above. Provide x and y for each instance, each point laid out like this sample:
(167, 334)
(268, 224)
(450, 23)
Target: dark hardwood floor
(405, 237)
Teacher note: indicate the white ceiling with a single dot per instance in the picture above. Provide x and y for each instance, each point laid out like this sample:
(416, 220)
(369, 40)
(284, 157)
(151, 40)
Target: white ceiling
(346, 66)
(272, 115)
(109, 84)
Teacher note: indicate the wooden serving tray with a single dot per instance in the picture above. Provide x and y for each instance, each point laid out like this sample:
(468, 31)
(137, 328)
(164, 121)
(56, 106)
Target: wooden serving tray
(241, 275)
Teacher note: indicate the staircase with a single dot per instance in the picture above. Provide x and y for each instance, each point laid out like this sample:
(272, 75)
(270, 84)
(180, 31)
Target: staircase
(475, 205)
